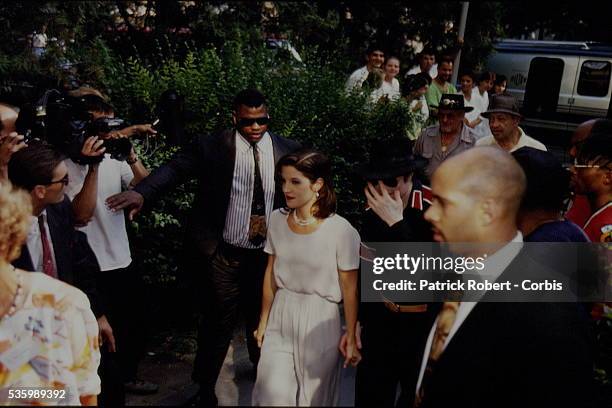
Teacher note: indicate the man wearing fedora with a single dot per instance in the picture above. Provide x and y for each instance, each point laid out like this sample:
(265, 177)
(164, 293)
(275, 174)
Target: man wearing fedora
(504, 118)
(393, 335)
(450, 137)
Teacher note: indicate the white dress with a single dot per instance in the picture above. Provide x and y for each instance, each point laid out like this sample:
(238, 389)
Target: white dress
(300, 361)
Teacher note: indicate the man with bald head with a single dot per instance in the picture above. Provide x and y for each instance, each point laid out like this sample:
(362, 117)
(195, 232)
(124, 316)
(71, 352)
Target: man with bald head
(486, 354)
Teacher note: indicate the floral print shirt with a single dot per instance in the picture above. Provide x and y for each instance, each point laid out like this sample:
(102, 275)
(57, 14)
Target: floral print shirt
(49, 343)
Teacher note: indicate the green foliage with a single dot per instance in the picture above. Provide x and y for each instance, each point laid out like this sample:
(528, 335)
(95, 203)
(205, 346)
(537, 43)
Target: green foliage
(307, 103)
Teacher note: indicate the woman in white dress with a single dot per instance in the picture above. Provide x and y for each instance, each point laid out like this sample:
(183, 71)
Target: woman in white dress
(312, 266)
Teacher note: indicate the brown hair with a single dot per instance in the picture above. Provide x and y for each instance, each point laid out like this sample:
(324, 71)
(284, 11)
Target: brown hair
(313, 165)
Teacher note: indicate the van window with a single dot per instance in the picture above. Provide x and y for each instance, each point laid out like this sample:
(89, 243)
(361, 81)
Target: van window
(594, 78)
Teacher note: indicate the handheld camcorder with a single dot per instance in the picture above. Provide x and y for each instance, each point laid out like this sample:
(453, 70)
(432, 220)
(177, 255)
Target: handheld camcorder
(66, 123)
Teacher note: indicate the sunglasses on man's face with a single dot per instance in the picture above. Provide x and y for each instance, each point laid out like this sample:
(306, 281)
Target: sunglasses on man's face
(246, 122)
(580, 165)
(65, 180)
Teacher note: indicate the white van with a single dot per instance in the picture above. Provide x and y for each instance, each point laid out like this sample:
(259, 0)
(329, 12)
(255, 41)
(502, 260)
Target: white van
(558, 84)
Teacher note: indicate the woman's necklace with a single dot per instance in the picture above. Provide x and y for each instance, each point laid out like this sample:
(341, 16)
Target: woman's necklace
(16, 298)
(303, 223)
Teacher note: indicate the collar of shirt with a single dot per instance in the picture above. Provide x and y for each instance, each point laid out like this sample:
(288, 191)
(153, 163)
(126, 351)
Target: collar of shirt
(243, 145)
(34, 228)
(522, 141)
(495, 264)
(465, 136)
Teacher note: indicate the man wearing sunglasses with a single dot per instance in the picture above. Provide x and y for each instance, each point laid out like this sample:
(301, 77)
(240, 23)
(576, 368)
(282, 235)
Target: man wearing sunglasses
(237, 193)
(592, 176)
(53, 245)
(393, 335)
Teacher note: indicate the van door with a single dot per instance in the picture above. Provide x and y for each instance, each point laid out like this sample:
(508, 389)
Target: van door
(549, 90)
(591, 96)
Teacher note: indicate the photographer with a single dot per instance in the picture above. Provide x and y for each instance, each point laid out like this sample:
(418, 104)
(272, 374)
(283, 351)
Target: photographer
(92, 181)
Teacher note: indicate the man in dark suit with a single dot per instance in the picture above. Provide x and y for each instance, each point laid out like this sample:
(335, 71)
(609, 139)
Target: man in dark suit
(486, 354)
(53, 245)
(237, 193)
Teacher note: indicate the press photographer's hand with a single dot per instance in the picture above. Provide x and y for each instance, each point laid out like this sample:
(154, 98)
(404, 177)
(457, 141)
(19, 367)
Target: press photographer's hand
(134, 130)
(93, 147)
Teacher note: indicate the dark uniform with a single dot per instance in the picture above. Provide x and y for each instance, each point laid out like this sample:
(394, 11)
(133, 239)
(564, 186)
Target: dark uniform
(394, 335)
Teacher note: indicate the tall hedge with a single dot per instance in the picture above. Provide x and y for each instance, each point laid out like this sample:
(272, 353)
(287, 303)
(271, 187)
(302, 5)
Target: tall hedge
(307, 102)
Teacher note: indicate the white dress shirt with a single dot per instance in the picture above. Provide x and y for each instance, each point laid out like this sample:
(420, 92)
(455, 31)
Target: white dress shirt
(523, 141)
(236, 230)
(495, 265)
(433, 71)
(34, 243)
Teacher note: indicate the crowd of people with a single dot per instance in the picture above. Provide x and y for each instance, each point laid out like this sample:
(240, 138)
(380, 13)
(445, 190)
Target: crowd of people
(266, 236)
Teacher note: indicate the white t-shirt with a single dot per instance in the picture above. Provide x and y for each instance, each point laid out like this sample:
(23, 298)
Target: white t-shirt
(482, 101)
(106, 231)
(356, 79)
(39, 40)
(433, 71)
(391, 89)
(474, 102)
(309, 263)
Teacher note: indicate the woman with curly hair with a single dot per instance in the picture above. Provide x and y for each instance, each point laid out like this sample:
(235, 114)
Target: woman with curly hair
(49, 351)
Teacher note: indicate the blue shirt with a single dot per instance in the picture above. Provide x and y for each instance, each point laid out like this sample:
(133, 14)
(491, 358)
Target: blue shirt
(557, 231)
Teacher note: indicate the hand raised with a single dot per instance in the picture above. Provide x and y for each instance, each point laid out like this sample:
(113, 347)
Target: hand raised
(130, 200)
(93, 147)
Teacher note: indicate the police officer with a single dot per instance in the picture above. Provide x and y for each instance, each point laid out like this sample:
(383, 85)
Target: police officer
(393, 335)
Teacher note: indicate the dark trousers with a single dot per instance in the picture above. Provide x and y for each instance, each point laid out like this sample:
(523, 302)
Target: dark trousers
(233, 285)
(121, 291)
(393, 345)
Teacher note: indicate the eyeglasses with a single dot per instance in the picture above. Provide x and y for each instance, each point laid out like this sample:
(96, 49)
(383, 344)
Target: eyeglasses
(65, 180)
(586, 166)
(245, 122)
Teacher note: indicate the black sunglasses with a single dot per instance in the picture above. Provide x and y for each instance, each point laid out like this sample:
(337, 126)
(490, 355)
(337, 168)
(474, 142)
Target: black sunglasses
(245, 122)
(64, 181)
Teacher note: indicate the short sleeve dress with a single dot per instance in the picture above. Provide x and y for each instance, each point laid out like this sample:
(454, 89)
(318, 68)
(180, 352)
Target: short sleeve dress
(300, 361)
(49, 343)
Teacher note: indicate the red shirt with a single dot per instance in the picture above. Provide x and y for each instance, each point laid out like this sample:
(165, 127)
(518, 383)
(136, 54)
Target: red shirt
(580, 210)
(599, 226)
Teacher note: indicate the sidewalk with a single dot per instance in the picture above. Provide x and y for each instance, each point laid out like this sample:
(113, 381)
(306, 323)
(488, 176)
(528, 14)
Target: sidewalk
(169, 364)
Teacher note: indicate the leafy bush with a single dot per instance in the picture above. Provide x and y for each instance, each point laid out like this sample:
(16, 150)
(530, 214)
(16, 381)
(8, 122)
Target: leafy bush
(307, 103)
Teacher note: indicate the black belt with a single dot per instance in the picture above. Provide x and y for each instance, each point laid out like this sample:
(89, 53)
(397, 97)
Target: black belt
(234, 251)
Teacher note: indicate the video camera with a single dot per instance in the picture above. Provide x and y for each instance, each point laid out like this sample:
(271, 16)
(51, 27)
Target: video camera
(65, 122)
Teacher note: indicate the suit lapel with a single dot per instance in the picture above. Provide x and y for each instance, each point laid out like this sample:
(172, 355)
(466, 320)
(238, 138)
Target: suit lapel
(279, 152)
(227, 157)
(60, 246)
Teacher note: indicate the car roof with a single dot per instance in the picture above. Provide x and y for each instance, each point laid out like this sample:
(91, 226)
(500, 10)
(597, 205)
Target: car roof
(586, 48)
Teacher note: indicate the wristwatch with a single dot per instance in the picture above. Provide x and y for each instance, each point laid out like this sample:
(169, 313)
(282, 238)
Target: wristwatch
(132, 161)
